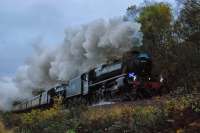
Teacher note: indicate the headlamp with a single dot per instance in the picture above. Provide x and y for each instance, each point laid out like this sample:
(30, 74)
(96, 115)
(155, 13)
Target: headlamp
(132, 75)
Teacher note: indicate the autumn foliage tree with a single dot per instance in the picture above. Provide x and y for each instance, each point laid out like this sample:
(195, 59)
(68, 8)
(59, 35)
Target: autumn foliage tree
(188, 22)
(155, 22)
(173, 43)
(156, 26)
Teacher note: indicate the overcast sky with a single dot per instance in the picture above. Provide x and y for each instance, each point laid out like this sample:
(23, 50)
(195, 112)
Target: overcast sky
(25, 22)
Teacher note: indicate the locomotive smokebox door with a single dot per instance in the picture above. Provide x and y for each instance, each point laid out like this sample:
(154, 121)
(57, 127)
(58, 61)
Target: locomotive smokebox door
(85, 83)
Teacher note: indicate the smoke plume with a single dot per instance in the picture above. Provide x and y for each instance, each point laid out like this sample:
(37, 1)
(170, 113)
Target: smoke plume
(8, 92)
(83, 48)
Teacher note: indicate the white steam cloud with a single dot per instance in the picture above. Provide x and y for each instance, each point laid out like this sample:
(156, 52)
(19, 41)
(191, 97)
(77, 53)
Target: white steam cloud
(82, 49)
(8, 92)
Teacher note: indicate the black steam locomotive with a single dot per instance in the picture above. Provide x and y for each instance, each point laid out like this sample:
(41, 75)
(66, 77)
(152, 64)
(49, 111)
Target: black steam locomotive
(126, 79)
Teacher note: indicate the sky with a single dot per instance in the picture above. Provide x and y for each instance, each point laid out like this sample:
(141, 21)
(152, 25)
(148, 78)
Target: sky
(24, 23)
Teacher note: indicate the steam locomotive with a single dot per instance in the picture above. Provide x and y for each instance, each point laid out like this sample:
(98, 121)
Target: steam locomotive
(126, 79)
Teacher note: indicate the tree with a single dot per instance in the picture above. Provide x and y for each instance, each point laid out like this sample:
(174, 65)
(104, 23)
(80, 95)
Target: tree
(189, 19)
(131, 13)
(156, 26)
(155, 22)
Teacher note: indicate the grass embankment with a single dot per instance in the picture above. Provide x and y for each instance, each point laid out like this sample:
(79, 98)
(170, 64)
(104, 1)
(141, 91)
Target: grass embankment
(174, 115)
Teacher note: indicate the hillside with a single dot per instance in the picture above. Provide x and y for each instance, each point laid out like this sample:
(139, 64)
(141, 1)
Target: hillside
(179, 114)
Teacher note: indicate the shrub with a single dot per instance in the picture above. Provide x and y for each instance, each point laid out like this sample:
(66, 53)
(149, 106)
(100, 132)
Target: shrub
(178, 104)
(3, 129)
(112, 119)
(145, 118)
(196, 105)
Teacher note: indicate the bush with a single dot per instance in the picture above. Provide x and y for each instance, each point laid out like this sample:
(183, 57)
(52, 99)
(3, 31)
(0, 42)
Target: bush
(146, 118)
(2, 128)
(112, 119)
(122, 118)
(52, 120)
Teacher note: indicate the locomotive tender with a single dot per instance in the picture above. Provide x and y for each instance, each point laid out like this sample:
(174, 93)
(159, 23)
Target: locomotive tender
(129, 77)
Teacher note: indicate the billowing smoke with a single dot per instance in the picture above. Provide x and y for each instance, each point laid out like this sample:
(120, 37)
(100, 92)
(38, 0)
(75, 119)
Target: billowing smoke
(83, 48)
(92, 44)
(8, 92)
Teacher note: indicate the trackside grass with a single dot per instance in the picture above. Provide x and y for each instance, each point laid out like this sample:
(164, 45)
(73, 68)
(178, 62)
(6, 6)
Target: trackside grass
(173, 115)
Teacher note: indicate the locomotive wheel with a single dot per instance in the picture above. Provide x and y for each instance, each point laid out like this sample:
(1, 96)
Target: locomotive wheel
(134, 94)
(140, 93)
(84, 101)
(94, 97)
(108, 95)
(127, 97)
(69, 103)
(148, 93)
(77, 101)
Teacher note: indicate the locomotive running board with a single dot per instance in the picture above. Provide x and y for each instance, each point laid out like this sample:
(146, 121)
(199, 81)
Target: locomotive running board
(122, 75)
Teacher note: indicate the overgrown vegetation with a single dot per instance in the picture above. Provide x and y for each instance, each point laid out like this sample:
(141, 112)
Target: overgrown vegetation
(162, 116)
